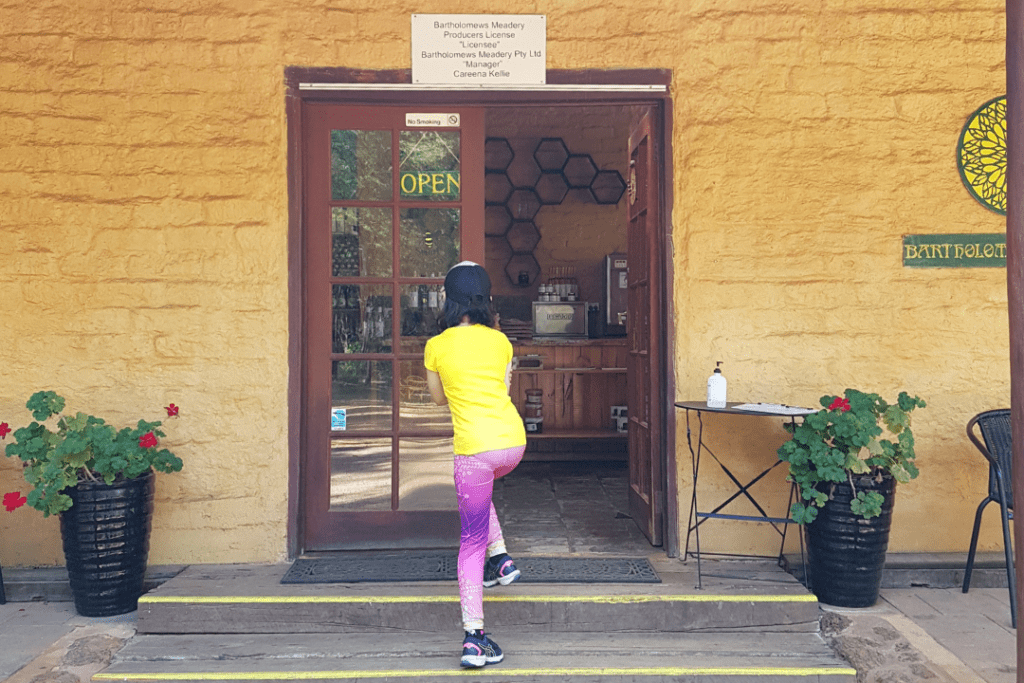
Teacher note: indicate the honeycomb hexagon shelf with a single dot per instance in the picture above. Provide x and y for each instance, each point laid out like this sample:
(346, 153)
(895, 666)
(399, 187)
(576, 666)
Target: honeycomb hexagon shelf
(523, 204)
(551, 154)
(607, 187)
(523, 237)
(498, 154)
(517, 186)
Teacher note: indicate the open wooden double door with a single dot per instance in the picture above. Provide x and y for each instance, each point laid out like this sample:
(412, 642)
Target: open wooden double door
(390, 198)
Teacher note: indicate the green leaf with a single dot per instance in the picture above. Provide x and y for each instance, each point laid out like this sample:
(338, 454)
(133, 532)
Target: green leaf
(76, 423)
(896, 419)
(908, 404)
(900, 474)
(816, 421)
(867, 504)
(858, 466)
(45, 404)
(911, 469)
(803, 514)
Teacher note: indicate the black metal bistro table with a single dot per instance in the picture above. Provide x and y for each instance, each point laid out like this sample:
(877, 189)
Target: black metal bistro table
(699, 516)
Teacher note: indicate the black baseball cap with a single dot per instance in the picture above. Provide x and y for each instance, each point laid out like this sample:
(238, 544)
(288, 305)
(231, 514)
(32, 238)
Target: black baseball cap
(468, 284)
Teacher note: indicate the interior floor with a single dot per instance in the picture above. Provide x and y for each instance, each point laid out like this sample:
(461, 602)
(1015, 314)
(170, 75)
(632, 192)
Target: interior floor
(568, 507)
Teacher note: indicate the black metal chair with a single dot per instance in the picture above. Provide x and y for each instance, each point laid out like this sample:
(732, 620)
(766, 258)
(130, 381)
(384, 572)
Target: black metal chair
(996, 444)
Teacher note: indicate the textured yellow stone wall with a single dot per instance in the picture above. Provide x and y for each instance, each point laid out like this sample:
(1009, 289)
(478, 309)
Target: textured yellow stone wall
(808, 141)
(143, 199)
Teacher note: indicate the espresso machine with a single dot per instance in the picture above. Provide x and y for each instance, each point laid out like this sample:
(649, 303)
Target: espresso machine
(559, 313)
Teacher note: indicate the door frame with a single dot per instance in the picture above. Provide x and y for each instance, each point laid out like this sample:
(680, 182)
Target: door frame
(564, 87)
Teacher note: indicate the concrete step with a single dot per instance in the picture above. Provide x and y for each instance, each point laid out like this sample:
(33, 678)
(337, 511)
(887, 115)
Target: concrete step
(249, 599)
(529, 657)
(902, 570)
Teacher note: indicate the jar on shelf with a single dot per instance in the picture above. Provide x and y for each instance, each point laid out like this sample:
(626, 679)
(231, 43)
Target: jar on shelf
(533, 411)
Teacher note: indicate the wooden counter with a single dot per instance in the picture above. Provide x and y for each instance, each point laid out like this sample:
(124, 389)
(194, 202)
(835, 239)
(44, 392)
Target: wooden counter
(570, 341)
(581, 380)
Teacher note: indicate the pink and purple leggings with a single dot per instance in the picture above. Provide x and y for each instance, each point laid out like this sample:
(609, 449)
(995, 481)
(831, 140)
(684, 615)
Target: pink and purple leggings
(481, 532)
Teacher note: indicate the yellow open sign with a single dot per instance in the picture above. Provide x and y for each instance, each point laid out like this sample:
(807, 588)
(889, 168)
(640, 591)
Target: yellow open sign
(439, 183)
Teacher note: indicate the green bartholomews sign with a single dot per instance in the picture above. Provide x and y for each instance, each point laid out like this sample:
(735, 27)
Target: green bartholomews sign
(954, 251)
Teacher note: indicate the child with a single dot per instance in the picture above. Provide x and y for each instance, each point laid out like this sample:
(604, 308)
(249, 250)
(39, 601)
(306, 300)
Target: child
(469, 367)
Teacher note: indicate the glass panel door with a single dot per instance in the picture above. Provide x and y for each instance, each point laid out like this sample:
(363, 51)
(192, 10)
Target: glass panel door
(388, 210)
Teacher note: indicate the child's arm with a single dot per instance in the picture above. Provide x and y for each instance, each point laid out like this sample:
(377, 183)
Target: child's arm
(508, 377)
(436, 388)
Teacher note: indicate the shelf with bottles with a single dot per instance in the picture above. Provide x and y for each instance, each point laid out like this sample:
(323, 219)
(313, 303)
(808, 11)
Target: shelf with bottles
(560, 286)
(421, 307)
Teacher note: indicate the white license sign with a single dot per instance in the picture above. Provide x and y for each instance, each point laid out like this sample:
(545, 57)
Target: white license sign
(479, 49)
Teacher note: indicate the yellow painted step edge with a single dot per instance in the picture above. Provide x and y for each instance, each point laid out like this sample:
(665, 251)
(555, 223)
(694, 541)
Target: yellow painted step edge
(503, 672)
(606, 599)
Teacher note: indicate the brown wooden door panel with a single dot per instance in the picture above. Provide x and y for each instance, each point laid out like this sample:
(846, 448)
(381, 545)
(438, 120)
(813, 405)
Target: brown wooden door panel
(643, 332)
(359, 485)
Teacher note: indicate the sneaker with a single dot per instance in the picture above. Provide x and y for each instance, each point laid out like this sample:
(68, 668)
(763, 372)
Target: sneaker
(478, 649)
(500, 569)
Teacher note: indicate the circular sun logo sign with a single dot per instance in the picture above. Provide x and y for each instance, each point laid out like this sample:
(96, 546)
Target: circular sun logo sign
(981, 154)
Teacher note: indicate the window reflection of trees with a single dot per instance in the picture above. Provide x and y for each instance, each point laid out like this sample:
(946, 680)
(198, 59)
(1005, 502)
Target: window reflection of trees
(429, 152)
(361, 165)
(429, 240)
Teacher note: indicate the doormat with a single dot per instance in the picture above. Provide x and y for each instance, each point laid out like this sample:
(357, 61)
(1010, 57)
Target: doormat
(439, 566)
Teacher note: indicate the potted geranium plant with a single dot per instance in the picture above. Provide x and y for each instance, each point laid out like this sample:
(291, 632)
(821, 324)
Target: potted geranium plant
(845, 460)
(100, 481)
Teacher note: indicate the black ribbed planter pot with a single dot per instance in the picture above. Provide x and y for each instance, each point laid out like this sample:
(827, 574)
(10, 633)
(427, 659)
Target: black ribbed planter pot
(845, 552)
(106, 544)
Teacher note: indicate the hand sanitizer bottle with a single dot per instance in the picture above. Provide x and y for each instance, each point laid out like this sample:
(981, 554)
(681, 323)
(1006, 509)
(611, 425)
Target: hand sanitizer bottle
(716, 388)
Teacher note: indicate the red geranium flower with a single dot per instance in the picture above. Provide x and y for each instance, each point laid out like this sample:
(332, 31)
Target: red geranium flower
(172, 410)
(840, 404)
(14, 500)
(147, 440)
(4, 429)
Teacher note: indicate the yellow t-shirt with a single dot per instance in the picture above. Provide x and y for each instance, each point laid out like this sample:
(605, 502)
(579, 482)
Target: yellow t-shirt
(471, 361)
